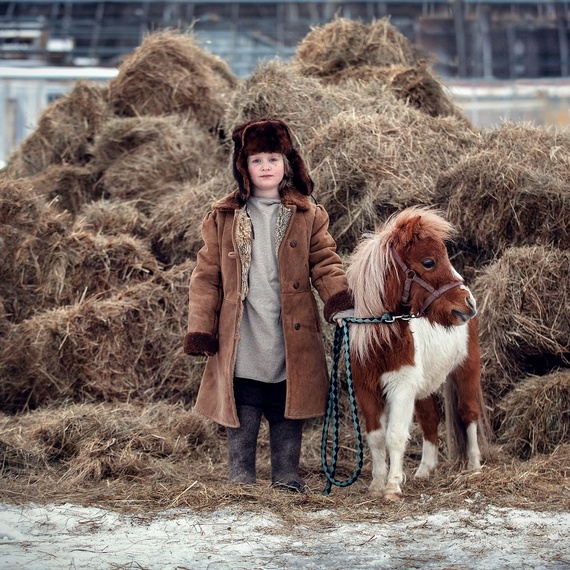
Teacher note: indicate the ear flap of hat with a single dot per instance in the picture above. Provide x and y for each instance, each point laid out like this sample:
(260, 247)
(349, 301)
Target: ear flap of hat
(266, 135)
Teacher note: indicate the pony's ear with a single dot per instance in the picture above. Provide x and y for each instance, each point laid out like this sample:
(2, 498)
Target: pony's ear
(406, 232)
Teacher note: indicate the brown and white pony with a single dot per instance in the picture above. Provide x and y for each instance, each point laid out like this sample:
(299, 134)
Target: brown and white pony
(404, 269)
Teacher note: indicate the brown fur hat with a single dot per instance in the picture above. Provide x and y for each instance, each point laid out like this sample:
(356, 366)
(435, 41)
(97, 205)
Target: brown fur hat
(267, 135)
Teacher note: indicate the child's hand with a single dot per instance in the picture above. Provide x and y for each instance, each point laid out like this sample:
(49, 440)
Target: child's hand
(341, 315)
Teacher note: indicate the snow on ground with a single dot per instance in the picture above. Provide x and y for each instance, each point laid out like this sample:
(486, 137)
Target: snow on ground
(73, 537)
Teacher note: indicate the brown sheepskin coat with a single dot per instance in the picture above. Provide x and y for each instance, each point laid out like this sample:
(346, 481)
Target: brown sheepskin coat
(306, 256)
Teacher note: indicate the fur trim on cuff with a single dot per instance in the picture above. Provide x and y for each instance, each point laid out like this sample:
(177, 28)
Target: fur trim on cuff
(200, 344)
(338, 302)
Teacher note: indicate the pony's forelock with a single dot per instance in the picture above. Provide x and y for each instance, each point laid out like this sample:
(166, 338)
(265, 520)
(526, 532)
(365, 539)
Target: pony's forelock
(419, 222)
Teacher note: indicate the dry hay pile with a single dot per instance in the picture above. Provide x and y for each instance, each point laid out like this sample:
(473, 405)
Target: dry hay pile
(29, 229)
(175, 230)
(367, 167)
(139, 157)
(83, 444)
(93, 299)
(126, 347)
(417, 86)
(65, 131)
(169, 74)
(111, 218)
(275, 90)
(513, 191)
(68, 186)
(524, 322)
(351, 54)
(345, 44)
(48, 265)
(534, 418)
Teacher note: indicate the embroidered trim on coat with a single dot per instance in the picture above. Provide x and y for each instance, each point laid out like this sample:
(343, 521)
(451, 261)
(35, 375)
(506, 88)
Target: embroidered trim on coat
(281, 225)
(243, 243)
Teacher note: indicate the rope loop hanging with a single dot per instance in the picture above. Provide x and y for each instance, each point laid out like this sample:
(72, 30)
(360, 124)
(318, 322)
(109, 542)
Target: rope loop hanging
(341, 343)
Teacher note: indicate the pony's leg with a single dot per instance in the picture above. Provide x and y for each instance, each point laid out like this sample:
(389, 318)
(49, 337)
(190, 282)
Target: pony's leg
(467, 379)
(400, 397)
(371, 404)
(428, 416)
(377, 443)
(473, 452)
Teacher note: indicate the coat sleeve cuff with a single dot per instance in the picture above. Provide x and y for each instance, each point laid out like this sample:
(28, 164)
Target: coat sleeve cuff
(197, 343)
(338, 302)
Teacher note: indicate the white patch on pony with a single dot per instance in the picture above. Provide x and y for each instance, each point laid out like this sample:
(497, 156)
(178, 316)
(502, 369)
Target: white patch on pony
(428, 462)
(437, 351)
(457, 275)
(473, 453)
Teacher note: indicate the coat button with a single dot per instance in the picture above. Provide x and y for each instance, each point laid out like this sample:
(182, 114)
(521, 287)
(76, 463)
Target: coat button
(296, 285)
(232, 254)
(297, 326)
(293, 243)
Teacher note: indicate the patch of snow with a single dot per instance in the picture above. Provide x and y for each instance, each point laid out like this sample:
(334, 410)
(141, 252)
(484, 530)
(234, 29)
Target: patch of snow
(72, 537)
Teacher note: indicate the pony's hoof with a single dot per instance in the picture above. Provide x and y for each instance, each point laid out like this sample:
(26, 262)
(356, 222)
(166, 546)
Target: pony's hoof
(377, 489)
(422, 472)
(392, 493)
(392, 496)
(474, 465)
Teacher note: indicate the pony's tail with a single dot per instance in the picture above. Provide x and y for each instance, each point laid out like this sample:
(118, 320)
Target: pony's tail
(456, 435)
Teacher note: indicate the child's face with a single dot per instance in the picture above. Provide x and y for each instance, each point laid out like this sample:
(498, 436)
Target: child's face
(266, 170)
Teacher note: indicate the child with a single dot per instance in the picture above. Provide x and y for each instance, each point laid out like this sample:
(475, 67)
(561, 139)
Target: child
(251, 307)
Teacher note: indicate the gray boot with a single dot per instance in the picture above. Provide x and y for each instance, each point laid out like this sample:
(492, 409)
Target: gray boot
(242, 445)
(285, 438)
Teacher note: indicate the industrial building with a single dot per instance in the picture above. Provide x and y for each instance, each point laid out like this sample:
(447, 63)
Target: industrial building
(468, 38)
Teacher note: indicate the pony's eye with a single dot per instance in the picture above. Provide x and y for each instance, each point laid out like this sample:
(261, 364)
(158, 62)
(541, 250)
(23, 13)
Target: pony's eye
(428, 263)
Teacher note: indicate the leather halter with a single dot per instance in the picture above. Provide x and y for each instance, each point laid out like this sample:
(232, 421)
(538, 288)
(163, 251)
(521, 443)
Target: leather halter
(412, 277)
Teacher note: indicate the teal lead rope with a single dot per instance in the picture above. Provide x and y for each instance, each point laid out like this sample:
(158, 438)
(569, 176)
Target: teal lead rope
(341, 341)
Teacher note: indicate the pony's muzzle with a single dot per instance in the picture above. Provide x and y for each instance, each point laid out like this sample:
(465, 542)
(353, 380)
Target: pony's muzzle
(465, 316)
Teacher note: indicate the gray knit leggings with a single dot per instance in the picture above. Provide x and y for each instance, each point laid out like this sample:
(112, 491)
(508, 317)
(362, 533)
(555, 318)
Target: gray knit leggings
(254, 400)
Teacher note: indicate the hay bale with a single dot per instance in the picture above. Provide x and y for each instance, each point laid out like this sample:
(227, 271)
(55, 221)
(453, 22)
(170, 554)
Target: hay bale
(66, 129)
(304, 105)
(111, 218)
(98, 264)
(169, 74)
(85, 443)
(524, 324)
(127, 347)
(416, 85)
(175, 225)
(28, 229)
(534, 418)
(139, 156)
(366, 167)
(541, 148)
(68, 186)
(55, 269)
(22, 211)
(344, 44)
(420, 88)
(499, 202)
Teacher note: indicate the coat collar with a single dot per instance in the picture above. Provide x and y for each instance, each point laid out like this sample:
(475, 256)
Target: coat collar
(289, 197)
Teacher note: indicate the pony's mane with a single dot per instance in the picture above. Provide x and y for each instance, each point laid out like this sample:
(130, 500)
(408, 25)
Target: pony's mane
(372, 270)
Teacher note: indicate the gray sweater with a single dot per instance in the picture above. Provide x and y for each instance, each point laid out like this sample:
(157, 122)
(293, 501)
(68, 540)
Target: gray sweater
(261, 348)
